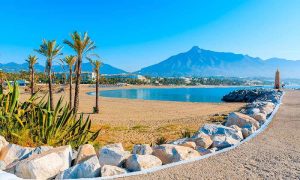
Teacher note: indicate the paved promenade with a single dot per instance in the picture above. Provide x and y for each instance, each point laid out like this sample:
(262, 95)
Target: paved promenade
(273, 154)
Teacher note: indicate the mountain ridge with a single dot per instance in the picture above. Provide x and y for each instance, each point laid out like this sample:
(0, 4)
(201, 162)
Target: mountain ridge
(198, 62)
(15, 67)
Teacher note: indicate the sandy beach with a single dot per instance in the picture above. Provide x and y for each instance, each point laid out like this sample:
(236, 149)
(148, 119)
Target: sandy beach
(141, 121)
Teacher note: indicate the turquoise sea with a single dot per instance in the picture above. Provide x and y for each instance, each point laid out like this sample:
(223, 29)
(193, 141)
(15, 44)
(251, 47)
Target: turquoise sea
(192, 94)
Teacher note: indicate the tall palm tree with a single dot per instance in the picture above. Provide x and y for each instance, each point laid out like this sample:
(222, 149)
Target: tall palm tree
(32, 60)
(70, 60)
(81, 45)
(50, 50)
(96, 64)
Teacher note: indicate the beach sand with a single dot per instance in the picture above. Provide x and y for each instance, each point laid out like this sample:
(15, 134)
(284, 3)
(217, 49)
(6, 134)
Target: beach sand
(142, 121)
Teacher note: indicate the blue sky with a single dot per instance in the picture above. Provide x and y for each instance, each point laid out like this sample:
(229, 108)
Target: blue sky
(131, 34)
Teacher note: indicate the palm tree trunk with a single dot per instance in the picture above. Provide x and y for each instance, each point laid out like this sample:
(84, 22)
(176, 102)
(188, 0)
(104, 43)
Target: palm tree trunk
(97, 93)
(50, 86)
(1, 86)
(77, 83)
(70, 84)
(32, 81)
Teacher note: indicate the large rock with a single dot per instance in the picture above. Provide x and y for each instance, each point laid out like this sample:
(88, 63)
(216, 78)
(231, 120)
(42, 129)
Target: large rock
(39, 150)
(85, 152)
(179, 141)
(215, 129)
(248, 130)
(108, 170)
(142, 149)
(88, 168)
(113, 155)
(251, 95)
(202, 140)
(189, 144)
(251, 111)
(203, 151)
(239, 119)
(169, 153)
(221, 141)
(8, 176)
(13, 152)
(140, 162)
(222, 136)
(267, 108)
(260, 117)
(3, 142)
(2, 165)
(259, 107)
(45, 165)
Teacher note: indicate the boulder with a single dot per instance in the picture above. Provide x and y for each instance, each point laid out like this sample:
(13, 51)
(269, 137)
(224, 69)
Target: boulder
(260, 117)
(169, 153)
(252, 95)
(142, 149)
(248, 130)
(85, 152)
(8, 176)
(39, 150)
(203, 151)
(236, 127)
(267, 108)
(239, 119)
(45, 165)
(223, 141)
(108, 170)
(215, 129)
(222, 136)
(202, 140)
(189, 144)
(179, 141)
(74, 155)
(140, 162)
(2, 165)
(118, 146)
(252, 111)
(113, 155)
(13, 152)
(3, 142)
(87, 168)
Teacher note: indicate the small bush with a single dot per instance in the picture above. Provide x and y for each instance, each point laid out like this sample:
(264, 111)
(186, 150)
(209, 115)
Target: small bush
(186, 134)
(161, 140)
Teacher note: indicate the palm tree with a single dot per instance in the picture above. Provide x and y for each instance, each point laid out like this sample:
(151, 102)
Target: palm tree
(50, 50)
(81, 45)
(70, 60)
(32, 60)
(96, 64)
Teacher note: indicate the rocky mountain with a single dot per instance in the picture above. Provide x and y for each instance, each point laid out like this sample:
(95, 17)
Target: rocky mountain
(200, 62)
(14, 67)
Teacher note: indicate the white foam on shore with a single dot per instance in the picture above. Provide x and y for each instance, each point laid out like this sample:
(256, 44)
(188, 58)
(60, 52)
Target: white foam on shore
(151, 170)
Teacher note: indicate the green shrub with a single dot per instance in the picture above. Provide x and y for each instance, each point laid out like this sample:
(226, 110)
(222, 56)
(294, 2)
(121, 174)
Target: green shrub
(161, 140)
(186, 134)
(43, 126)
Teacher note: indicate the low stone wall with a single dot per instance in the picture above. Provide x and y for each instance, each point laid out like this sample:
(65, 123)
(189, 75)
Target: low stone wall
(112, 160)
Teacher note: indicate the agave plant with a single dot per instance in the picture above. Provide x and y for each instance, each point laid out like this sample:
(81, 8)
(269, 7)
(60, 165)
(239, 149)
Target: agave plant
(59, 126)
